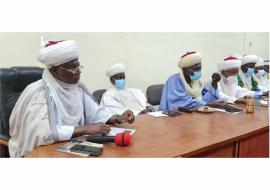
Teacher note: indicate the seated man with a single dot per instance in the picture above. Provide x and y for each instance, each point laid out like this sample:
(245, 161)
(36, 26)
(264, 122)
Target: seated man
(58, 107)
(261, 76)
(119, 98)
(229, 90)
(185, 89)
(246, 74)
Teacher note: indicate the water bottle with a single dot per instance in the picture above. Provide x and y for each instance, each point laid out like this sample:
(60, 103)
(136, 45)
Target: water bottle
(258, 97)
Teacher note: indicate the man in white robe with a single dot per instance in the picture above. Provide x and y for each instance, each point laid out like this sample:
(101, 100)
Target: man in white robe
(58, 107)
(261, 76)
(120, 98)
(229, 90)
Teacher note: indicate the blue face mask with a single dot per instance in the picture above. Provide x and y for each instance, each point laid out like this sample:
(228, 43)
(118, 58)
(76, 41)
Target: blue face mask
(196, 75)
(120, 84)
(250, 72)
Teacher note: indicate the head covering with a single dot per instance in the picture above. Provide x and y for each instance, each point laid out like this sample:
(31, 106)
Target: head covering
(229, 63)
(54, 53)
(189, 59)
(260, 62)
(249, 59)
(238, 56)
(115, 69)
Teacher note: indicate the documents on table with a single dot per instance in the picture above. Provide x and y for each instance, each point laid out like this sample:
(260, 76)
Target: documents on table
(115, 130)
(157, 114)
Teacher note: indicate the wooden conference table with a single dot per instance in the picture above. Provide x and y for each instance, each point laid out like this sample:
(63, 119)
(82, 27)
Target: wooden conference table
(189, 135)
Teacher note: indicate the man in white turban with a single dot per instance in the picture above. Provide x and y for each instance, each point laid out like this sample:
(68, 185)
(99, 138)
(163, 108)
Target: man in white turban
(229, 90)
(58, 107)
(246, 76)
(185, 89)
(261, 76)
(119, 98)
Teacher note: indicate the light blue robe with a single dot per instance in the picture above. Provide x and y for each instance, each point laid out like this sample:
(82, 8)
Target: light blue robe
(174, 95)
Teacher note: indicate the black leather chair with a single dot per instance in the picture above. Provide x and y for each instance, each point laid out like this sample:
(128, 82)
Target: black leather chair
(12, 82)
(98, 94)
(154, 93)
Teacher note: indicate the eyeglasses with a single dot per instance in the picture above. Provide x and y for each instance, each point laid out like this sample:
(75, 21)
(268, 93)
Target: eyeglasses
(72, 69)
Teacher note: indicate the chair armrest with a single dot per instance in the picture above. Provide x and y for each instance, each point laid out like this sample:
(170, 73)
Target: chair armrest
(4, 140)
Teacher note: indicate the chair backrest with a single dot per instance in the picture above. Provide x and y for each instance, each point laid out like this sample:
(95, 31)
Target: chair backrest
(98, 94)
(12, 82)
(154, 93)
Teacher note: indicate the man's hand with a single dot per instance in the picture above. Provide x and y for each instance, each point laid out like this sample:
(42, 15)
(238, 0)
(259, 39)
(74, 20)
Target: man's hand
(266, 94)
(127, 116)
(220, 106)
(247, 97)
(147, 110)
(241, 101)
(93, 129)
(215, 79)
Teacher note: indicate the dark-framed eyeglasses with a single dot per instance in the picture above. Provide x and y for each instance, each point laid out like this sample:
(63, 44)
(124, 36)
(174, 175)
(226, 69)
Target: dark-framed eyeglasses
(72, 69)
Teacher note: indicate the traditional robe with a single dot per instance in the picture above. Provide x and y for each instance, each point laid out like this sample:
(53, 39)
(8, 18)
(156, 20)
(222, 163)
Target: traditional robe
(40, 117)
(175, 95)
(249, 82)
(117, 101)
(229, 93)
(264, 83)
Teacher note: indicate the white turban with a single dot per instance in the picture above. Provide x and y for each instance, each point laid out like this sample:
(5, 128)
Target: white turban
(55, 53)
(115, 69)
(229, 63)
(189, 59)
(249, 59)
(260, 62)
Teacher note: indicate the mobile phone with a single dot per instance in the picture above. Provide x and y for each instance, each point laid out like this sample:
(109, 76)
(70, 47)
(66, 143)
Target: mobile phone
(233, 110)
(171, 113)
(95, 151)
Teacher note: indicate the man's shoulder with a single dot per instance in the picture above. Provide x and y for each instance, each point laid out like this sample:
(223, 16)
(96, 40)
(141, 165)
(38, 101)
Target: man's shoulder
(110, 92)
(35, 87)
(34, 93)
(136, 90)
(174, 79)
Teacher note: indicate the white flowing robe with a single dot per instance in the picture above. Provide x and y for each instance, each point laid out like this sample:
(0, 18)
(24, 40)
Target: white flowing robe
(230, 93)
(264, 83)
(118, 101)
(36, 120)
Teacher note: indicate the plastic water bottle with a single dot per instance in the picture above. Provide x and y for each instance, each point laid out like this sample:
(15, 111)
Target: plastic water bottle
(258, 97)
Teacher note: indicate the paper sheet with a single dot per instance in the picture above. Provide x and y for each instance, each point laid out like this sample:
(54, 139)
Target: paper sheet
(157, 114)
(115, 130)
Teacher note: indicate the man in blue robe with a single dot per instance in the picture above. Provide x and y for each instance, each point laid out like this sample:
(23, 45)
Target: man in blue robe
(184, 89)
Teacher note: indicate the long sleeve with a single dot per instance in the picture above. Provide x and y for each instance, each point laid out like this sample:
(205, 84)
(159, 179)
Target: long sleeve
(242, 92)
(29, 125)
(224, 97)
(210, 94)
(112, 105)
(94, 113)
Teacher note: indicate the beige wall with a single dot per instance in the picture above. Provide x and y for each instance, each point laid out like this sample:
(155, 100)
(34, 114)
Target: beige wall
(150, 57)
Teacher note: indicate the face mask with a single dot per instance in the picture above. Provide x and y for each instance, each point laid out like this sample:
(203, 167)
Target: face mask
(250, 72)
(260, 73)
(231, 80)
(120, 84)
(196, 76)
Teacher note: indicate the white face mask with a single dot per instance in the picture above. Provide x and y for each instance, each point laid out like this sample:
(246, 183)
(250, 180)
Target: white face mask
(231, 80)
(260, 73)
